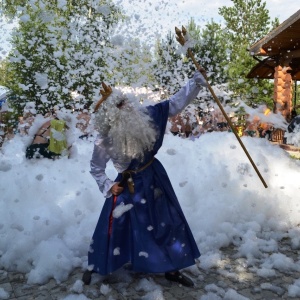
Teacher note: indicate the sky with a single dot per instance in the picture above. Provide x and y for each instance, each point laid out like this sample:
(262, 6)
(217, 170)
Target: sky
(49, 209)
(209, 9)
(162, 16)
(202, 11)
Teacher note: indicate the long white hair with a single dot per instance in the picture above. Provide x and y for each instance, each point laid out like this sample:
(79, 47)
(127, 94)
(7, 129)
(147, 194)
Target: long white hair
(129, 127)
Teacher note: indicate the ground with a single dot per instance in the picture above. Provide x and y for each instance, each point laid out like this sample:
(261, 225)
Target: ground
(234, 278)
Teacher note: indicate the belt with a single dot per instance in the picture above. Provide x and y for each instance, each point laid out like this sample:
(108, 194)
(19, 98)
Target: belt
(127, 176)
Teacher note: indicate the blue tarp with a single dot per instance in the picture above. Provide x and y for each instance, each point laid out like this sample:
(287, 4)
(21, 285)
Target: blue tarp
(1, 102)
(4, 95)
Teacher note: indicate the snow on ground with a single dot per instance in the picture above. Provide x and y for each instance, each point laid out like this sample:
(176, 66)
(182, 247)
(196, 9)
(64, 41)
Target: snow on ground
(49, 209)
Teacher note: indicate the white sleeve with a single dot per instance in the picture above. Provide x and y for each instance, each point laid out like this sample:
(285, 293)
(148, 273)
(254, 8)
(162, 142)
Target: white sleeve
(186, 94)
(98, 166)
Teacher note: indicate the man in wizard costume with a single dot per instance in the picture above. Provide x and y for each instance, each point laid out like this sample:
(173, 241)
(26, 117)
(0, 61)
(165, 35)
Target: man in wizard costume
(141, 222)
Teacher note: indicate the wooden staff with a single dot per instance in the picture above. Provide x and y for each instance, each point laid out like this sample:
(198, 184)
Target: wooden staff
(181, 39)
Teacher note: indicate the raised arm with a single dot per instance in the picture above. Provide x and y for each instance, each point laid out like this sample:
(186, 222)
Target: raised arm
(186, 94)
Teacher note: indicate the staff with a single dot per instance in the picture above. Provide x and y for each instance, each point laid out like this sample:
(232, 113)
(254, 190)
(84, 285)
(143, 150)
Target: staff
(181, 39)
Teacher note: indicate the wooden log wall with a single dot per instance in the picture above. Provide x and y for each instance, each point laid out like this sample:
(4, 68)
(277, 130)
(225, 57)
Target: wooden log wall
(283, 93)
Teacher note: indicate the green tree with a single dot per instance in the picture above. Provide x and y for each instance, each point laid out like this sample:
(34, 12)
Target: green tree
(210, 50)
(60, 48)
(133, 63)
(172, 67)
(5, 76)
(245, 22)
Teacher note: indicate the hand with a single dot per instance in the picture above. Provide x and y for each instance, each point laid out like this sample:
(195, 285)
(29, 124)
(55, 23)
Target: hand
(116, 190)
(199, 78)
(202, 70)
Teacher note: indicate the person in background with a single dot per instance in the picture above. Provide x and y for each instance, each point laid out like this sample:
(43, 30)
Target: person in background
(293, 124)
(21, 129)
(292, 135)
(252, 126)
(265, 130)
(176, 125)
(187, 126)
(29, 115)
(83, 122)
(50, 140)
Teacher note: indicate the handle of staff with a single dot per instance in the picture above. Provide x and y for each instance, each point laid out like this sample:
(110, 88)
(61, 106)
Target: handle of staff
(190, 53)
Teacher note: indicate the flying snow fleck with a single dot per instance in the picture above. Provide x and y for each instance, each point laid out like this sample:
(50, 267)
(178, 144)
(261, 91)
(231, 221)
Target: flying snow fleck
(59, 136)
(121, 209)
(104, 9)
(77, 287)
(157, 193)
(25, 18)
(145, 254)
(117, 40)
(105, 289)
(42, 80)
(62, 4)
(243, 168)
(117, 251)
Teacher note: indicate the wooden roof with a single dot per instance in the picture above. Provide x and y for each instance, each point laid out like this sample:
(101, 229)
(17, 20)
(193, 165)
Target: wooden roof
(282, 43)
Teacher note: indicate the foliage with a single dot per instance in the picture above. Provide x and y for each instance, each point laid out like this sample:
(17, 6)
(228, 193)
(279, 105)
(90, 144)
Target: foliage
(169, 67)
(210, 50)
(10, 7)
(246, 22)
(296, 104)
(294, 157)
(64, 46)
(5, 75)
(58, 49)
(132, 63)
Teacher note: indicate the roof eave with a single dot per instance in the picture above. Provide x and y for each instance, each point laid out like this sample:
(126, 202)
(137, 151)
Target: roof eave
(257, 48)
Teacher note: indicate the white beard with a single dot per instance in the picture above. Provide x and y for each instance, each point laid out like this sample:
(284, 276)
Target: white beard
(131, 134)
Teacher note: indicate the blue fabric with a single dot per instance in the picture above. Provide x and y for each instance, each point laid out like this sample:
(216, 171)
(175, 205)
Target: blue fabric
(153, 235)
(2, 101)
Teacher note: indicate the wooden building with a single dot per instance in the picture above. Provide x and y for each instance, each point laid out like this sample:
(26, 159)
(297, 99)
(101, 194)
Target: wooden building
(278, 56)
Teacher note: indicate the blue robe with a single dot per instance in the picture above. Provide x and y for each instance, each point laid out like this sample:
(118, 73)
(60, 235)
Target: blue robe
(153, 235)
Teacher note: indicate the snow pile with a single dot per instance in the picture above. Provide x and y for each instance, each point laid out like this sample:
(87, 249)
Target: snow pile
(49, 209)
